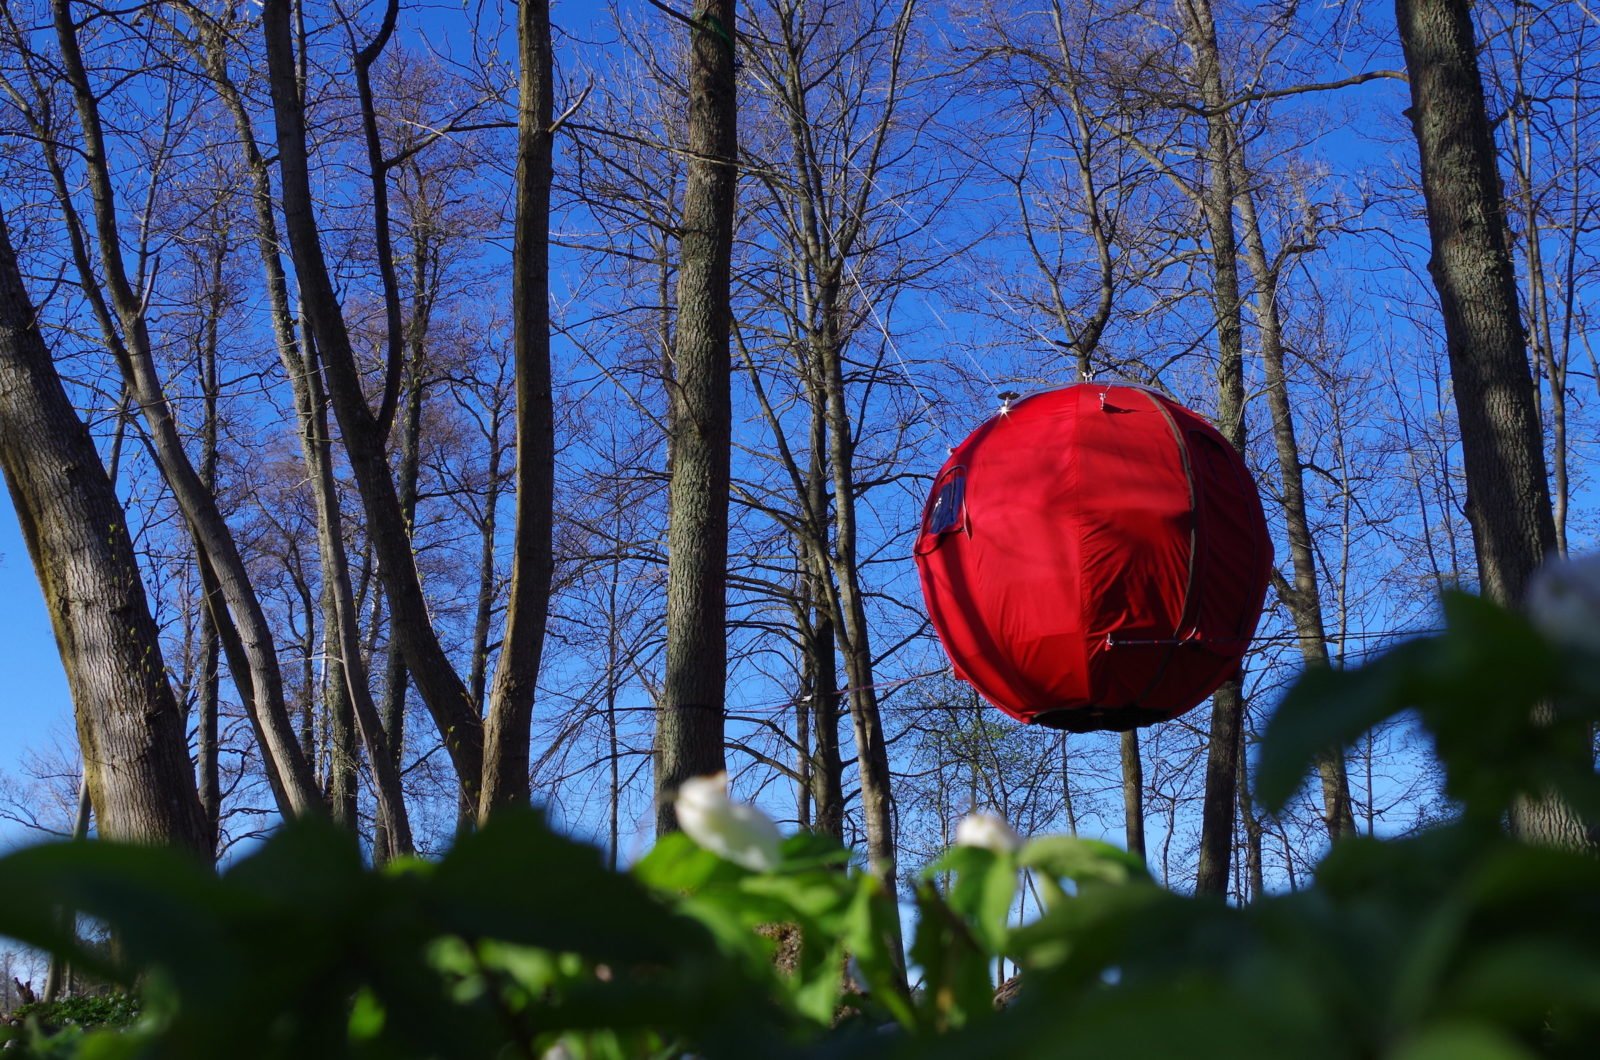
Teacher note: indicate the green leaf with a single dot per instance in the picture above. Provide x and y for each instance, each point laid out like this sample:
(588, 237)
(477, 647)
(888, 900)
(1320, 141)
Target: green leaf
(812, 850)
(366, 1016)
(518, 881)
(983, 888)
(1462, 1041)
(164, 904)
(680, 865)
(1474, 686)
(872, 927)
(1081, 860)
(957, 986)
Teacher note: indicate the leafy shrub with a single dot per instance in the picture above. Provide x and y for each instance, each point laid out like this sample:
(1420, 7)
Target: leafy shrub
(1458, 942)
(86, 1010)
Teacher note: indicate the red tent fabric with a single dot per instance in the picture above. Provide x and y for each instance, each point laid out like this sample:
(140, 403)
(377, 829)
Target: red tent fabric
(1094, 557)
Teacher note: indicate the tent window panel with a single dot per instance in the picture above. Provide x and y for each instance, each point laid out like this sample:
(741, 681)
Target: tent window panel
(946, 513)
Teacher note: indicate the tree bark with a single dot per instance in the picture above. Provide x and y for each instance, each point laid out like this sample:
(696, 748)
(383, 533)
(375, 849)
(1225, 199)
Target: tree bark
(1304, 596)
(507, 732)
(209, 693)
(1133, 793)
(825, 769)
(440, 686)
(129, 340)
(1217, 199)
(1255, 885)
(343, 764)
(395, 678)
(356, 692)
(135, 757)
(690, 718)
(1502, 449)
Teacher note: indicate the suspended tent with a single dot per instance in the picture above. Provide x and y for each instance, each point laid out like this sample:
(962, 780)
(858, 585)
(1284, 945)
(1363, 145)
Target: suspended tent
(1094, 557)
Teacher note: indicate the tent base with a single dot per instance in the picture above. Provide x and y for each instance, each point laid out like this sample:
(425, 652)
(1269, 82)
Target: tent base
(1099, 719)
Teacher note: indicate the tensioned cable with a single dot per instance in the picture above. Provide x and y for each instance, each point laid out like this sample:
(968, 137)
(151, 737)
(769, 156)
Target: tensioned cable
(894, 348)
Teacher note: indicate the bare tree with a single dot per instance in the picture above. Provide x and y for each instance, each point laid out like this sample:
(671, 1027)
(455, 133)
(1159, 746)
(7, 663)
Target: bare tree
(841, 133)
(690, 721)
(136, 763)
(118, 298)
(505, 777)
(1508, 498)
(361, 430)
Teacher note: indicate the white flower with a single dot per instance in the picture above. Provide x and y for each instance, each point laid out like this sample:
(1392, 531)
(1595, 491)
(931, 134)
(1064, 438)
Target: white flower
(1564, 602)
(733, 830)
(987, 831)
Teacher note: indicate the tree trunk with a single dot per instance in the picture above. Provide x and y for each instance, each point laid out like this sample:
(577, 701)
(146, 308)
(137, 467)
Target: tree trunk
(135, 757)
(613, 748)
(1508, 494)
(1067, 805)
(483, 610)
(209, 693)
(207, 750)
(395, 679)
(1133, 793)
(436, 680)
(1254, 880)
(357, 688)
(825, 768)
(826, 764)
(689, 722)
(1304, 597)
(343, 765)
(1217, 198)
(293, 782)
(507, 732)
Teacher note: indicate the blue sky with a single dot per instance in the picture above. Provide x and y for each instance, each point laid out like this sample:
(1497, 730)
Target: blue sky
(34, 705)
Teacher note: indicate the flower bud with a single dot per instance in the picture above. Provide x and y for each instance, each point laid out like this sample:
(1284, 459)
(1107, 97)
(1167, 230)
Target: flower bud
(988, 831)
(1563, 601)
(736, 831)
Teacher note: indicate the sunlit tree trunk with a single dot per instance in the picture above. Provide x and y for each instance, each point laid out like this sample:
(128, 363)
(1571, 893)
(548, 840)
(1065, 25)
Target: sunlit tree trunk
(689, 722)
(507, 732)
(1132, 793)
(135, 756)
(1508, 495)
(1303, 596)
(1217, 198)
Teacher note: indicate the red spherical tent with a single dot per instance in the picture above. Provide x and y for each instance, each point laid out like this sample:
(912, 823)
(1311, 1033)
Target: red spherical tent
(1094, 557)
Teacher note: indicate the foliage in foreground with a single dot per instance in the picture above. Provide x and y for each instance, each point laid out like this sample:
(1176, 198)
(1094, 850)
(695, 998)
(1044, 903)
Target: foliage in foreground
(1458, 942)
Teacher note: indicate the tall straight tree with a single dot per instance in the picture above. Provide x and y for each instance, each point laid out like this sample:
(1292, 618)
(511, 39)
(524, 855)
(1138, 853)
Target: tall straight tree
(506, 734)
(1216, 200)
(363, 432)
(689, 722)
(135, 762)
(1303, 596)
(349, 695)
(1502, 450)
(1508, 499)
(843, 134)
(117, 294)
